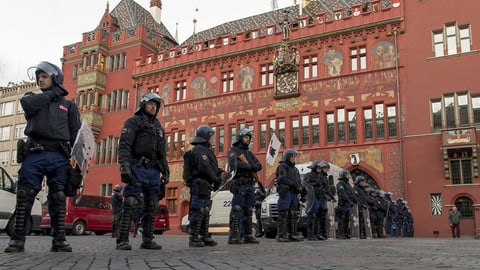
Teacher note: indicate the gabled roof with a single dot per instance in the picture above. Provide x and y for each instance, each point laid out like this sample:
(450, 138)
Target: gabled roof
(129, 14)
(275, 18)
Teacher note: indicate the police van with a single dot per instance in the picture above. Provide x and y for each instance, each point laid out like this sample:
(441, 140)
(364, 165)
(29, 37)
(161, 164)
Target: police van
(8, 200)
(269, 212)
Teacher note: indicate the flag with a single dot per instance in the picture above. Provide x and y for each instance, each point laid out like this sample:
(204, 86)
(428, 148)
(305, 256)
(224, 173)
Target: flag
(273, 149)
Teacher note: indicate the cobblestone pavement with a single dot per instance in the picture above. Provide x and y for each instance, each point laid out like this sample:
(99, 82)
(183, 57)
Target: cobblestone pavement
(98, 252)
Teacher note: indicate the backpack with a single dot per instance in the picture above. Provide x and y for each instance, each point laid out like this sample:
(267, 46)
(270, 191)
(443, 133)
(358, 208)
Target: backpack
(187, 167)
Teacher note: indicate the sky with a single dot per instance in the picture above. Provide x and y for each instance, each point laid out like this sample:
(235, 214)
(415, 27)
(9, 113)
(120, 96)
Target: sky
(34, 31)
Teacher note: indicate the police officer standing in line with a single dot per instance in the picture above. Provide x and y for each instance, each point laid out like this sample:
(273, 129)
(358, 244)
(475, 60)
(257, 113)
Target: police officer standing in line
(390, 213)
(52, 126)
(260, 195)
(206, 176)
(246, 165)
(289, 186)
(311, 184)
(363, 202)
(323, 195)
(116, 201)
(143, 167)
(345, 203)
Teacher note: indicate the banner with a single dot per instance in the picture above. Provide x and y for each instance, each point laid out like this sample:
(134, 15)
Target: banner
(273, 149)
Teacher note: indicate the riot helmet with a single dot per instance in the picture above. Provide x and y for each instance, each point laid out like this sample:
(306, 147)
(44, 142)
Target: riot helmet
(202, 134)
(359, 179)
(118, 188)
(149, 97)
(243, 132)
(343, 173)
(315, 164)
(288, 154)
(52, 70)
(324, 164)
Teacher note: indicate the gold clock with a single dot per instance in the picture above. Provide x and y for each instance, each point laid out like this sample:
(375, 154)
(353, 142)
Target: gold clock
(286, 83)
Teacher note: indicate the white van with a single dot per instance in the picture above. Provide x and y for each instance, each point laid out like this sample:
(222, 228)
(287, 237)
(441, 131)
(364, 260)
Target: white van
(8, 200)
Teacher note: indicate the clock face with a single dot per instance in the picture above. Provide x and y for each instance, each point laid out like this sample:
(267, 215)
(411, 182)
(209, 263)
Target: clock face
(286, 83)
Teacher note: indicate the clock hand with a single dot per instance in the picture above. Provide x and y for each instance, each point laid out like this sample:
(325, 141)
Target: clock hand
(287, 84)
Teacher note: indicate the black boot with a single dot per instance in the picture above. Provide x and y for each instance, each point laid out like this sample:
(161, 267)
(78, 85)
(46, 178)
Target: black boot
(194, 240)
(59, 242)
(317, 229)
(293, 223)
(25, 199)
(311, 228)
(248, 238)
(128, 209)
(234, 236)
(282, 234)
(206, 238)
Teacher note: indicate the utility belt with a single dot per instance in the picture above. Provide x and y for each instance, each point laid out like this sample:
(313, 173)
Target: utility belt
(38, 146)
(148, 163)
(33, 145)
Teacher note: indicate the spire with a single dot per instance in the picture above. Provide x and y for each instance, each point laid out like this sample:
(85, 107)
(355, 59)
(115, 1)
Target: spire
(274, 5)
(107, 8)
(176, 33)
(195, 21)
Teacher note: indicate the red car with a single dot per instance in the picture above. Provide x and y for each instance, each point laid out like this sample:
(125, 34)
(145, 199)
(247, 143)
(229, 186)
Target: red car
(92, 213)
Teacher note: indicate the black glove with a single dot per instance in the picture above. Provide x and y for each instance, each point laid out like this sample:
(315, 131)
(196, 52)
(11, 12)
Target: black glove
(165, 179)
(216, 184)
(126, 174)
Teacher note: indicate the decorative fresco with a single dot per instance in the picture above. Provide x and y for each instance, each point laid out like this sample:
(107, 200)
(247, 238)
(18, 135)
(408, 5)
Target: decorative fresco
(246, 78)
(383, 55)
(333, 60)
(202, 88)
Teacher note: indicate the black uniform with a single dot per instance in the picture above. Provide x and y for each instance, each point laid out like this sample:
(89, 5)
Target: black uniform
(52, 126)
(344, 207)
(144, 168)
(205, 178)
(246, 165)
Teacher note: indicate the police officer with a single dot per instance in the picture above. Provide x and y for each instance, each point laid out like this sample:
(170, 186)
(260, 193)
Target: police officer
(323, 194)
(116, 201)
(289, 186)
(362, 199)
(52, 126)
(143, 167)
(246, 165)
(345, 203)
(206, 177)
(311, 183)
(390, 213)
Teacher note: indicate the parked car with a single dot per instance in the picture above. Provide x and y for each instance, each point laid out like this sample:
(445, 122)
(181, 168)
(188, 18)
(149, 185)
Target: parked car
(93, 214)
(8, 200)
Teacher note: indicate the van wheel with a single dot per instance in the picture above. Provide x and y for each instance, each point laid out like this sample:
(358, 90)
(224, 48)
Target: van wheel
(11, 226)
(79, 228)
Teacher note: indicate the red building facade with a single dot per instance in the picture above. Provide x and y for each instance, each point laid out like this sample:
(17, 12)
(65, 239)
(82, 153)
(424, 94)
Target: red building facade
(331, 81)
(336, 101)
(441, 94)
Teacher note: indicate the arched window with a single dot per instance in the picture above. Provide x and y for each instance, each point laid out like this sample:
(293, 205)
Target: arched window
(368, 178)
(465, 206)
